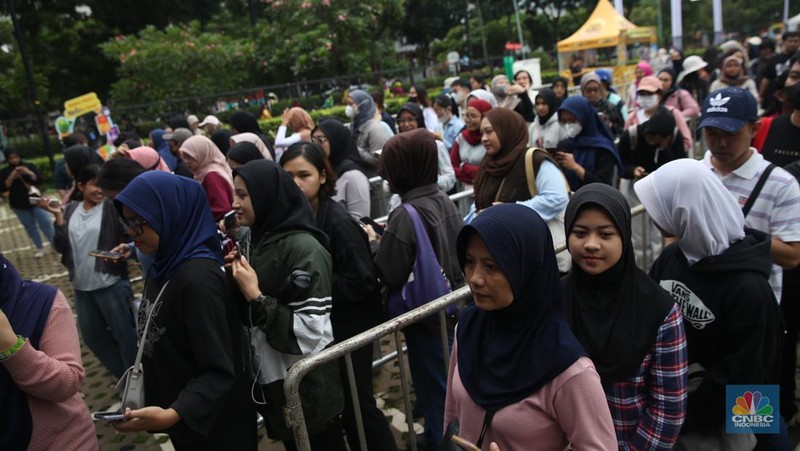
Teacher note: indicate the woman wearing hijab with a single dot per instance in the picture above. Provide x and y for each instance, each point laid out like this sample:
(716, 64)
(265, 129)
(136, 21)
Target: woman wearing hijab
(518, 376)
(242, 153)
(17, 179)
(210, 169)
(246, 122)
(545, 131)
(77, 158)
(468, 151)
(484, 95)
(41, 374)
(631, 328)
(513, 97)
(676, 97)
(733, 73)
(594, 91)
(503, 175)
(161, 145)
(299, 122)
(147, 157)
(560, 86)
(368, 133)
(352, 186)
(288, 319)
(222, 138)
(412, 118)
(409, 164)
(643, 69)
(253, 139)
(357, 303)
(195, 385)
(718, 273)
(588, 155)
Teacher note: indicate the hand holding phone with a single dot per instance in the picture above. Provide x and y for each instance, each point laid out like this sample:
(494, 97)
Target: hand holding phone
(229, 222)
(107, 255)
(108, 416)
(379, 229)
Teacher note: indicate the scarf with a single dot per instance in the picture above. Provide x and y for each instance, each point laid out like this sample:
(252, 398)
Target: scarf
(673, 88)
(733, 81)
(27, 305)
(646, 69)
(564, 82)
(255, 140)
(688, 201)
(244, 152)
(474, 136)
(549, 96)
(222, 138)
(615, 315)
(366, 109)
(177, 209)
(594, 137)
(244, 122)
(299, 119)
(148, 158)
(409, 160)
(278, 203)
(415, 111)
(484, 95)
(209, 157)
(506, 355)
(512, 133)
(344, 152)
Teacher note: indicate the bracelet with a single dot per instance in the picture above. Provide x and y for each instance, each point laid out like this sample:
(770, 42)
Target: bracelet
(259, 298)
(13, 349)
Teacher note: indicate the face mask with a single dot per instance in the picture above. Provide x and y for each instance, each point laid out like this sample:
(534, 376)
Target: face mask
(573, 129)
(412, 99)
(647, 101)
(458, 97)
(793, 95)
(349, 111)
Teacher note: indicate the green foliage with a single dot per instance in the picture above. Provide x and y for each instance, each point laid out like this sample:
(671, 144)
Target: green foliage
(180, 61)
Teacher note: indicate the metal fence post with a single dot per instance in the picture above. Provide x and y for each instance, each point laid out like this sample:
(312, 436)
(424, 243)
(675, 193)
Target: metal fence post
(412, 436)
(351, 381)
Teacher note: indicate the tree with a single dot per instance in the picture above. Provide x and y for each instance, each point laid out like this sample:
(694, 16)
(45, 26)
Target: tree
(426, 20)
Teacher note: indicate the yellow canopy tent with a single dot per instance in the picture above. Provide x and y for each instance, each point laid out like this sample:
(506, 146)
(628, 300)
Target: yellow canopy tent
(606, 28)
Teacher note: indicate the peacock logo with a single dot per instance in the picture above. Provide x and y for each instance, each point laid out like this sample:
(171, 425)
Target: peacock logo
(752, 403)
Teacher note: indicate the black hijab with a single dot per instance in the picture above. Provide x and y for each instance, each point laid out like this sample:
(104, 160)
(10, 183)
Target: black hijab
(278, 203)
(549, 96)
(617, 314)
(416, 111)
(565, 82)
(244, 122)
(78, 157)
(222, 138)
(672, 88)
(506, 355)
(244, 152)
(344, 152)
(409, 160)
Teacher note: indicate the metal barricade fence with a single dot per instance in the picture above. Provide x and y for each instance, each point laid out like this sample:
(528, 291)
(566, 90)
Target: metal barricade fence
(293, 410)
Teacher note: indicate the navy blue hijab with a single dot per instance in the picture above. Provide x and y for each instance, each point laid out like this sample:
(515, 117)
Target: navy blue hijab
(594, 136)
(177, 209)
(27, 305)
(506, 355)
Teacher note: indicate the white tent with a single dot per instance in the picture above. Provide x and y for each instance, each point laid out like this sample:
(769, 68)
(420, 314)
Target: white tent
(793, 23)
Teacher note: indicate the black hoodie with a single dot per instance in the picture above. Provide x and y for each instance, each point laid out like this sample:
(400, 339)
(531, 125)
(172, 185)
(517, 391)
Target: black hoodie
(734, 327)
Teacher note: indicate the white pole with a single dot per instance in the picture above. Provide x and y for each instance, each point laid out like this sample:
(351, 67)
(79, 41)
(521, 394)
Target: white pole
(717, 21)
(618, 7)
(786, 14)
(519, 29)
(677, 23)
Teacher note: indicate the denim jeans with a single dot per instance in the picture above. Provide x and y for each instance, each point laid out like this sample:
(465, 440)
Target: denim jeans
(106, 324)
(426, 363)
(33, 217)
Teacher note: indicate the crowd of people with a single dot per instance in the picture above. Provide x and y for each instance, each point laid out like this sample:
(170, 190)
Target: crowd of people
(259, 252)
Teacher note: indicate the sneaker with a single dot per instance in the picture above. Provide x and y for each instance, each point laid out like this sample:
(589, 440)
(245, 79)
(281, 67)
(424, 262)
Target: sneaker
(39, 253)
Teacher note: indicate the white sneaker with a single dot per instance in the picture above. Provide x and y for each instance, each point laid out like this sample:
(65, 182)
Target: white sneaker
(39, 253)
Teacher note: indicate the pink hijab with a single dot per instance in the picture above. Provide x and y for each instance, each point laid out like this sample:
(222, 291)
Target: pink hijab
(255, 139)
(208, 156)
(148, 158)
(645, 67)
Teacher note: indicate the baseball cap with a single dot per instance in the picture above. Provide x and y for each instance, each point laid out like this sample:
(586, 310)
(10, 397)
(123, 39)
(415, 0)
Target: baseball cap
(728, 109)
(179, 135)
(209, 120)
(192, 119)
(604, 74)
(650, 83)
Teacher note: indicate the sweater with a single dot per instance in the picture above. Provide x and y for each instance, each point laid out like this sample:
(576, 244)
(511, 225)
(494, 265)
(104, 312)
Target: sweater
(52, 377)
(370, 138)
(733, 324)
(352, 191)
(683, 101)
(546, 136)
(219, 193)
(193, 360)
(571, 409)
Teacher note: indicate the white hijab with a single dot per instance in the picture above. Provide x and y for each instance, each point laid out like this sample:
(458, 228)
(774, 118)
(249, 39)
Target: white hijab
(688, 201)
(483, 95)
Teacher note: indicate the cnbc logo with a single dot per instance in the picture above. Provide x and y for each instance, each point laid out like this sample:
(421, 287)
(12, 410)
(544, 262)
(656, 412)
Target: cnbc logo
(752, 409)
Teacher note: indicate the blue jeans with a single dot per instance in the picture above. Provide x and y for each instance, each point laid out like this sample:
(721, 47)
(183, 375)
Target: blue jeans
(33, 217)
(106, 324)
(426, 363)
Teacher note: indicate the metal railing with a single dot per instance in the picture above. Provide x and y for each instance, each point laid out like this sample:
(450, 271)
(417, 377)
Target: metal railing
(293, 410)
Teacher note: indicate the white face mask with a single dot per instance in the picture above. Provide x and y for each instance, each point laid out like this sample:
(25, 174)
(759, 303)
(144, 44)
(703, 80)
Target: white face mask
(350, 112)
(573, 129)
(458, 97)
(647, 101)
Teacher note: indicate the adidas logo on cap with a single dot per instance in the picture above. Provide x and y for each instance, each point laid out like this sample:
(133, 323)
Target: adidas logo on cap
(717, 104)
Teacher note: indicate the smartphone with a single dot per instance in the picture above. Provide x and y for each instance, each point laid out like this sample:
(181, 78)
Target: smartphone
(34, 200)
(229, 220)
(464, 444)
(239, 251)
(108, 416)
(108, 255)
(375, 226)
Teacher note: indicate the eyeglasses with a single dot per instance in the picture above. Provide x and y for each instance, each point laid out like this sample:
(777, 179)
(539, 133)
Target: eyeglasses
(319, 139)
(132, 226)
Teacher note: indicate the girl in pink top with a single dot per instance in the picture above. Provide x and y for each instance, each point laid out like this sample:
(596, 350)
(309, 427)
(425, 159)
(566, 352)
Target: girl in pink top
(209, 167)
(40, 369)
(519, 379)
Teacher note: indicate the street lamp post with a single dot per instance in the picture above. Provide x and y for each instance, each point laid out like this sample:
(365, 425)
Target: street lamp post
(519, 28)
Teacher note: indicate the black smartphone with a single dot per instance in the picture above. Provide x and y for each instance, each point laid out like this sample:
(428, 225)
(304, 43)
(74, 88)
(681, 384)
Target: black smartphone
(375, 226)
(239, 251)
(108, 255)
(108, 416)
(229, 220)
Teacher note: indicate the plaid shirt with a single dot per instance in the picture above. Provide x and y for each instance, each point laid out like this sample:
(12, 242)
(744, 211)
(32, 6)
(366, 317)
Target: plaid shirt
(648, 409)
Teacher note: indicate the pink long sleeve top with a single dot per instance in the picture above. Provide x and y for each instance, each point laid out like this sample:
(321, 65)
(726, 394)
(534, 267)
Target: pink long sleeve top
(52, 378)
(569, 410)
